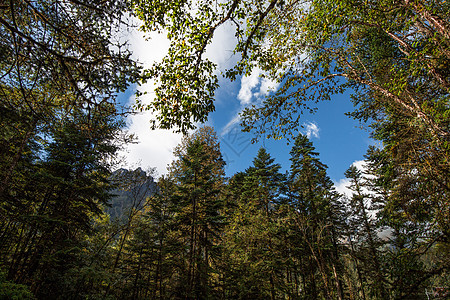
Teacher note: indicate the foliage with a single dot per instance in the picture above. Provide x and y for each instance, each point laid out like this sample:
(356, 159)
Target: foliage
(251, 238)
(54, 48)
(308, 46)
(60, 71)
(11, 290)
(49, 205)
(261, 233)
(56, 57)
(198, 173)
(317, 214)
(393, 57)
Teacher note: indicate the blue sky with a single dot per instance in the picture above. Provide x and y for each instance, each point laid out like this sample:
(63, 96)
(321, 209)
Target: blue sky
(337, 138)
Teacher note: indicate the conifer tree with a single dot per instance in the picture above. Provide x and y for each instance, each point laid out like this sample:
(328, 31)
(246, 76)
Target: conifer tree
(365, 231)
(253, 231)
(198, 174)
(153, 249)
(415, 241)
(316, 213)
(67, 186)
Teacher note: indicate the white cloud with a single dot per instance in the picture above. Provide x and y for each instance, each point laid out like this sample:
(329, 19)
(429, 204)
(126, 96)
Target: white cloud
(220, 51)
(311, 130)
(150, 48)
(360, 165)
(268, 86)
(154, 148)
(248, 84)
(254, 87)
(342, 185)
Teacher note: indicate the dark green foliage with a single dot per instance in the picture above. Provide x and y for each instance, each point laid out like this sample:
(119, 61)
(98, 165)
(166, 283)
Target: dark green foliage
(407, 261)
(60, 72)
(259, 235)
(52, 48)
(68, 186)
(362, 230)
(173, 249)
(251, 240)
(316, 212)
(12, 291)
(199, 176)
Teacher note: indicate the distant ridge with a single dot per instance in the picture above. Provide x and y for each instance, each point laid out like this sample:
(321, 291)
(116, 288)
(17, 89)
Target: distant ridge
(132, 188)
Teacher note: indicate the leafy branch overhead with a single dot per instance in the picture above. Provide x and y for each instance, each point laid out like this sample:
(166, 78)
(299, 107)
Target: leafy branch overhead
(65, 46)
(392, 54)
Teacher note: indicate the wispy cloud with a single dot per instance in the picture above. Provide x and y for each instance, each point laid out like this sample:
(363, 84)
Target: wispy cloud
(230, 125)
(254, 88)
(311, 129)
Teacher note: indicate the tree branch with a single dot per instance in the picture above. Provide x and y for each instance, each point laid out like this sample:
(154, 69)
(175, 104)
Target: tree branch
(255, 28)
(211, 33)
(49, 50)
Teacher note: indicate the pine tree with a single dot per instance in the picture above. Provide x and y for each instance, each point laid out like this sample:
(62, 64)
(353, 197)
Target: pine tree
(68, 186)
(364, 234)
(252, 241)
(316, 212)
(198, 174)
(415, 241)
(152, 250)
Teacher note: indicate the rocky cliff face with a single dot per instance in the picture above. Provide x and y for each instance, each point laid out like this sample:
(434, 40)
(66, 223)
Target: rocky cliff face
(132, 188)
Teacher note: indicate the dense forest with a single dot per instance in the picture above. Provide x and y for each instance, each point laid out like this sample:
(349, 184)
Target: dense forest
(73, 226)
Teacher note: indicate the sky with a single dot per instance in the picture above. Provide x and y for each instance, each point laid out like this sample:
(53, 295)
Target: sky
(339, 139)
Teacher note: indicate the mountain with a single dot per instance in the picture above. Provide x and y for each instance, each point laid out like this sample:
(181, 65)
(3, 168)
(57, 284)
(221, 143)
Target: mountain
(132, 188)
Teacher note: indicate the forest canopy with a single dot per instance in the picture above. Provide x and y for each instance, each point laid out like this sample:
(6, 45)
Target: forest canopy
(71, 227)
